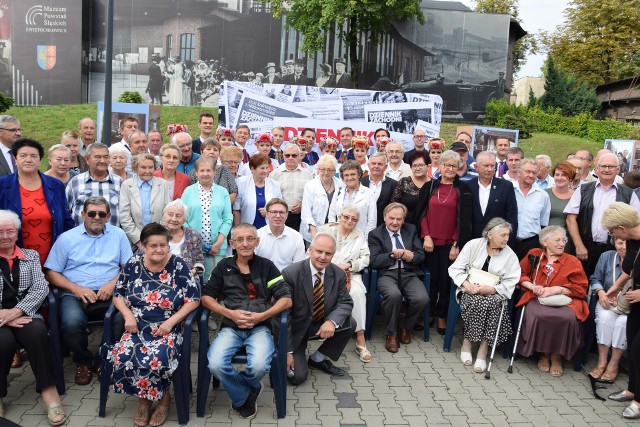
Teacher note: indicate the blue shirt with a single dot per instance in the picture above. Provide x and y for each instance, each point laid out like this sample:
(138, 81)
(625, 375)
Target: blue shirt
(533, 211)
(90, 261)
(187, 167)
(602, 277)
(145, 200)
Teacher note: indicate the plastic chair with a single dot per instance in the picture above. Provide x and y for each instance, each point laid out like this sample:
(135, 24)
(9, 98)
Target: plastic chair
(277, 372)
(181, 377)
(374, 298)
(589, 334)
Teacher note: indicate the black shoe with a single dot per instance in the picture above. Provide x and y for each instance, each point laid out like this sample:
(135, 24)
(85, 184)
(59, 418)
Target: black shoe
(441, 331)
(327, 367)
(250, 407)
(418, 327)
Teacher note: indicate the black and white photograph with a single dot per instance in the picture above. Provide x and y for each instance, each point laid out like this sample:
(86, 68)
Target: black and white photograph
(484, 138)
(624, 149)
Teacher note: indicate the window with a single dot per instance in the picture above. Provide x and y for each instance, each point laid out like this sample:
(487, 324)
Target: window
(187, 46)
(169, 47)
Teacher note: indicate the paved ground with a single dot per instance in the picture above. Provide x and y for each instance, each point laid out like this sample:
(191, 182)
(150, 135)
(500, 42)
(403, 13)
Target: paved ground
(420, 385)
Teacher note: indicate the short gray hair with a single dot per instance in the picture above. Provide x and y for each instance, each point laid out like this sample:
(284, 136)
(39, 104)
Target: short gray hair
(489, 154)
(118, 149)
(5, 118)
(292, 147)
(243, 226)
(328, 159)
(379, 154)
(327, 235)
(350, 208)
(545, 158)
(10, 217)
(170, 146)
(527, 161)
(397, 143)
(549, 230)
(57, 147)
(176, 204)
(175, 136)
(450, 155)
(95, 146)
(494, 223)
(141, 157)
(97, 201)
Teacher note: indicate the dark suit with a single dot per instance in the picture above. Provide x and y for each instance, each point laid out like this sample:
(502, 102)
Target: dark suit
(412, 286)
(276, 79)
(502, 203)
(196, 145)
(337, 307)
(290, 79)
(5, 168)
(388, 185)
(343, 82)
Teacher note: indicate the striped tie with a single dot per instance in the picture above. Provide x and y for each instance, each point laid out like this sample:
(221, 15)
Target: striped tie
(318, 299)
(245, 156)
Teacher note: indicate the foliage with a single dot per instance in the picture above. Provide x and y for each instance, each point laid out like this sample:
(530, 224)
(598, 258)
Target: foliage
(318, 19)
(6, 102)
(599, 40)
(502, 114)
(132, 97)
(532, 98)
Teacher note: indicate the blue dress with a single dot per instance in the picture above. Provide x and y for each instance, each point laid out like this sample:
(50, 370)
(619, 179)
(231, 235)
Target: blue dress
(143, 363)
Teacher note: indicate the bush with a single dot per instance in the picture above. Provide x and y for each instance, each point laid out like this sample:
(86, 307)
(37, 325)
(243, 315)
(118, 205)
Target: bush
(131, 98)
(6, 102)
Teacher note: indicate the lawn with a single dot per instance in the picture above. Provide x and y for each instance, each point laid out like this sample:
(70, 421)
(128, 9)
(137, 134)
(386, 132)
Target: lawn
(46, 124)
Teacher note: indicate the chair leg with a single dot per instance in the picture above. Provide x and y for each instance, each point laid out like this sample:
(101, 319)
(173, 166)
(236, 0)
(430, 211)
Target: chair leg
(204, 376)
(452, 319)
(104, 387)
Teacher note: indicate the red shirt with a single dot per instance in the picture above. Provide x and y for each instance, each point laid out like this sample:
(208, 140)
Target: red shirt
(37, 222)
(441, 220)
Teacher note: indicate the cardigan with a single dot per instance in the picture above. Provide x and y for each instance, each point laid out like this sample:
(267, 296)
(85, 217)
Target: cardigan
(219, 212)
(246, 198)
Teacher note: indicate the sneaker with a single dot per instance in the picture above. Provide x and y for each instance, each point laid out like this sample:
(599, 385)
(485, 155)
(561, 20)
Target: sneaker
(250, 407)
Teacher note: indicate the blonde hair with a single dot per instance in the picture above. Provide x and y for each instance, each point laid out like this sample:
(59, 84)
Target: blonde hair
(619, 214)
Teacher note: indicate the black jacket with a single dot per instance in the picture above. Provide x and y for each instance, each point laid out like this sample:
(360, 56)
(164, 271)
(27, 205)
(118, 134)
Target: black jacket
(388, 185)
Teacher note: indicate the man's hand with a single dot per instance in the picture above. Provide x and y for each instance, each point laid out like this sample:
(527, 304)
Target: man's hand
(242, 318)
(289, 361)
(581, 252)
(86, 295)
(327, 330)
(453, 253)
(106, 291)
(296, 208)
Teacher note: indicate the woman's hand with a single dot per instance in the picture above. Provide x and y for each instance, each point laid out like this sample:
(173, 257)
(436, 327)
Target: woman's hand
(165, 328)
(537, 290)
(486, 290)
(470, 287)
(344, 266)
(603, 299)
(263, 212)
(19, 322)
(633, 296)
(215, 248)
(453, 253)
(9, 314)
(427, 245)
(130, 323)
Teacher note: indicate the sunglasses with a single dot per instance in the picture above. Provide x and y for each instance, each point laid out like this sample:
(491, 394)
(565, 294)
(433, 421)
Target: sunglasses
(288, 156)
(93, 214)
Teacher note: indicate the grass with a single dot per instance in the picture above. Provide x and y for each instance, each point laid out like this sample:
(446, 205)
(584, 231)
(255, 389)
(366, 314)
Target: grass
(46, 124)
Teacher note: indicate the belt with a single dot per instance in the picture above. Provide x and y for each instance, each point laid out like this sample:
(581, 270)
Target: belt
(527, 239)
(600, 244)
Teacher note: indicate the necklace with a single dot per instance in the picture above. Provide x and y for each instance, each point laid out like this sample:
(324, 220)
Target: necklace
(446, 198)
(327, 190)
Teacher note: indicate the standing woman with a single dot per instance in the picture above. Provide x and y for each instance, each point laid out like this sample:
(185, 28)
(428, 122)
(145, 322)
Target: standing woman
(231, 158)
(444, 220)
(225, 137)
(359, 147)
(118, 156)
(436, 146)
(623, 222)
(408, 188)
(209, 213)
(59, 160)
(78, 163)
(254, 191)
(561, 193)
(222, 175)
(177, 182)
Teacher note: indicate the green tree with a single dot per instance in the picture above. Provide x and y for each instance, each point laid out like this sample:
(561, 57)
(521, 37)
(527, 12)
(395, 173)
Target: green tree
(133, 97)
(599, 41)
(318, 19)
(564, 92)
(532, 98)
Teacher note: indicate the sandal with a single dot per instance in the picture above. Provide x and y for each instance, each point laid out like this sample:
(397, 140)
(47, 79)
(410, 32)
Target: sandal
(365, 354)
(17, 360)
(142, 415)
(54, 410)
(480, 366)
(609, 377)
(159, 416)
(544, 364)
(597, 372)
(466, 357)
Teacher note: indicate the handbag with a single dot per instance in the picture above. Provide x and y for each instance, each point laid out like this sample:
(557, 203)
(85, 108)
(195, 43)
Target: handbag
(478, 276)
(559, 300)
(622, 305)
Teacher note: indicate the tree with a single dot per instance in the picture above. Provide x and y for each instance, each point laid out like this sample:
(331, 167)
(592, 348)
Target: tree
(599, 41)
(563, 91)
(318, 19)
(532, 98)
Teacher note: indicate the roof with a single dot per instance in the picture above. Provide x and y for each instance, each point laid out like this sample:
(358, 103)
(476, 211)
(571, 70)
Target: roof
(444, 5)
(627, 82)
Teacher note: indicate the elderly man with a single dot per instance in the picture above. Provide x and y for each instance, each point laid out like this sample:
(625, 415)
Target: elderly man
(502, 148)
(579, 165)
(341, 78)
(292, 178)
(10, 131)
(465, 138)
(419, 139)
(534, 207)
(154, 141)
(588, 203)
(397, 168)
(381, 185)
(247, 283)
(87, 132)
(345, 153)
(492, 197)
(97, 181)
(396, 245)
(138, 143)
(466, 173)
(587, 162)
(188, 161)
(85, 264)
(205, 124)
(298, 77)
(281, 244)
(543, 179)
(514, 156)
(321, 310)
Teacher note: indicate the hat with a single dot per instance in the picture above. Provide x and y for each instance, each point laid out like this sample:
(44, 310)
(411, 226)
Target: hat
(301, 61)
(360, 141)
(341, 60)
(459, 146)
(383, 141)
(227, 132)
(259, 75)
(436, 143)
(328, 142)
(176, 128)
(271, 64)
(299, 141)
(264, 137)
(326, 68)
(288, 62)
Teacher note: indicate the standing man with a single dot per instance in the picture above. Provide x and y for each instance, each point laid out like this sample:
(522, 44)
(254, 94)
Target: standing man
(419, 139)
(396, 244)
(154, 141)
(587, 159)
(586, 206)
(321, 310)
(205, 124)
(381, 185)
(10, 131)
(492, 197)
(292, 178)
(514, 156)
(155, 87)
(272, 78)
(465, 173)
(297, 78)
(188, 161)
(543, 179)
(247, 283)
(341, 79)
(243, 135)
(346, 137)
(502, 148)
(397, 167)
(87, 132)
(277, 133)
(281, 244)
(138, 143)
(534, 208)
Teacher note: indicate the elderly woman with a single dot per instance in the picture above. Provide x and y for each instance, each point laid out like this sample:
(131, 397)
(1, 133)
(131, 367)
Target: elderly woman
(23, 288)
(436, 146)
(154, 294)
(59, 160)
(354, 193)
(481, 303)
(560, 194)
(352, 255)
(553, 332)
(610, 325)
(118, 156)
(408, 188)
(222, 175)
(209, 213)
(170, 156)
(623, 222)
(231, 158)
(185, 242)
(443, 217)
(254, 191)
(142, 198)
(70, 140)
(317, 196)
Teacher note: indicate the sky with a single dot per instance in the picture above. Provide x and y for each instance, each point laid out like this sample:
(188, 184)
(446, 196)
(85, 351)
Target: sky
(536, 15)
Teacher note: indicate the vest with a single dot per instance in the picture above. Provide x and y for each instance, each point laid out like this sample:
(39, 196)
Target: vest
(585, 214)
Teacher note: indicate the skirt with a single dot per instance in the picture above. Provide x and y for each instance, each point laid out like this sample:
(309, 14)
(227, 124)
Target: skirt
(549, 330)
(481, 315)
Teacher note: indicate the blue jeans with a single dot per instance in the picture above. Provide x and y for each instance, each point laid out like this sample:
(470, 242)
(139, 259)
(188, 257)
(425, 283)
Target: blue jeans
(258, 343)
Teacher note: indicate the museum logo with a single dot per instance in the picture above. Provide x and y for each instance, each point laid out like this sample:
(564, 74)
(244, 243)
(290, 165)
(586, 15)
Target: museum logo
(46, 19)
(46, 55)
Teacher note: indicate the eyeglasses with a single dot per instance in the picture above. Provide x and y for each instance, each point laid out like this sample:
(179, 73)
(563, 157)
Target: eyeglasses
(242, 240)
(419, 136)
(326, 170)
(446, 166)
(288, 156)
(607, 166)
(14, 130)
(420, 166)
(8, 233)
(349, 218)
(278, 213)
(561, 241)
(93, 214)
(230, 162)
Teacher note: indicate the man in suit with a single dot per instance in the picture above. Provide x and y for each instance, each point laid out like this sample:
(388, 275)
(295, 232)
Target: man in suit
(297, 78)
(272, 77)
(9, 132)
(492, 197)
(381, 185)
(395, 245)
(205, 124)
(321, 309)
(341, 78)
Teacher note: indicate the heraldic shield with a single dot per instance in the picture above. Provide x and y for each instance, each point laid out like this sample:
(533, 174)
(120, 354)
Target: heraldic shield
(46, 55)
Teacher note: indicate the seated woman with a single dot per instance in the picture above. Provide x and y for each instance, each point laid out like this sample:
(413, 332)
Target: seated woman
(553, 332)
(185, 241)
(23, 288)
(155, 293)
(482, 303)
(352, 255)
(611, 326)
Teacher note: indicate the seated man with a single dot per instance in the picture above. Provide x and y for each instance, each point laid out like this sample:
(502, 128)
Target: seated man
(281, 244)
(321, 309)
(394, 245)
(248, 282)
(85, 264)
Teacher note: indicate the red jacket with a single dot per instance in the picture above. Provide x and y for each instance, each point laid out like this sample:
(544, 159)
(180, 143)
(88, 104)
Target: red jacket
(182, 182)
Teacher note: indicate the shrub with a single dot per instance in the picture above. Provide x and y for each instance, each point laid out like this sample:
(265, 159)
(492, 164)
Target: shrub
(131, 98)
(6, 102)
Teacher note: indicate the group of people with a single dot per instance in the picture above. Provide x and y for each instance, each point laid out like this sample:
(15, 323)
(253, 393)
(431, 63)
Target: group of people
(251, 227)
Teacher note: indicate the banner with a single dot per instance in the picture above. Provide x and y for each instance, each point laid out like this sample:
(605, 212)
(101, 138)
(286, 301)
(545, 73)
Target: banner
(324, 128)
(256, 108)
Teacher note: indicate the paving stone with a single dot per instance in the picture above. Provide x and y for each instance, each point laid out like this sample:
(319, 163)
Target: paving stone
(347, 400)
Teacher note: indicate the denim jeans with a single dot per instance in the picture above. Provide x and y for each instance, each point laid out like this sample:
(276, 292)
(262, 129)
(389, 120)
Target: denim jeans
(258, 343)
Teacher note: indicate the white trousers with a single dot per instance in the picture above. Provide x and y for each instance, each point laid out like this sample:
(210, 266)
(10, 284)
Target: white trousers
(611, 328)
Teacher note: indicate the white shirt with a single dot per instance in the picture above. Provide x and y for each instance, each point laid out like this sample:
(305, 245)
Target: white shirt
(394, 246)
(6, 152)
(402, 171)
(284, 249)
(313, 274)
(507, 177)
(483, 195)
(377, 188)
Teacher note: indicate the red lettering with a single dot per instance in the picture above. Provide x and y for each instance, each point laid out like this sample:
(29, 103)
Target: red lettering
(320, 133)
(290, 132)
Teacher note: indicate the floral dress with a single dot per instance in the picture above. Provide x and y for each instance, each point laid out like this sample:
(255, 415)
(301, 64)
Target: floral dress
(143, 363)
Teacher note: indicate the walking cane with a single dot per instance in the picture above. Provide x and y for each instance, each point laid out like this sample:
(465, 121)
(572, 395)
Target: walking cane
(515, 344)
(487, 375)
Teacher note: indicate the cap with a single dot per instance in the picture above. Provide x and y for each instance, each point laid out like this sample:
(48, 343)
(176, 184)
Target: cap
(271, 64)
(459, 146)
(326, 68)
(341, 60)
(301, 61)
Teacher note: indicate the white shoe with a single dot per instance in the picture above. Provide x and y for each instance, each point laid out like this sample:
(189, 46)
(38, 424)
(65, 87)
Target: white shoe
(480, 366)
(466, 357)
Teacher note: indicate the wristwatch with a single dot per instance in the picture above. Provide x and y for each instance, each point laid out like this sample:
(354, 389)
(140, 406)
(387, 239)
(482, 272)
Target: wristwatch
(455, 245)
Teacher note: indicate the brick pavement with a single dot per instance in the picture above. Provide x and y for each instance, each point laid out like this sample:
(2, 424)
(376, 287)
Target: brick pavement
(419, 385)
